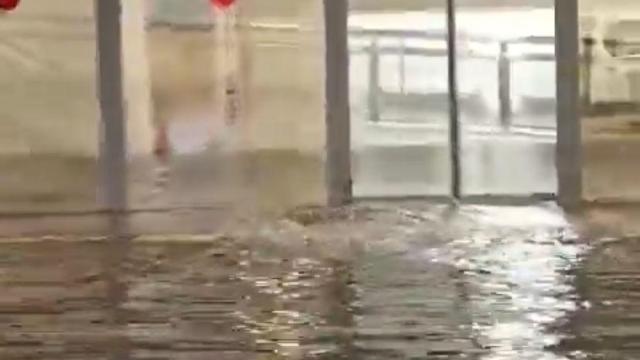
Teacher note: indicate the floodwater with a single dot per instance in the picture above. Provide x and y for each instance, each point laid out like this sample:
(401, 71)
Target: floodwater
(375, 282)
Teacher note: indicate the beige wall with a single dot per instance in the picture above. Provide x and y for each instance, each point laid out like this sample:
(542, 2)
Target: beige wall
(608, 7)
(48, 60)
(285, 89)
(137, 85)
(47, 54)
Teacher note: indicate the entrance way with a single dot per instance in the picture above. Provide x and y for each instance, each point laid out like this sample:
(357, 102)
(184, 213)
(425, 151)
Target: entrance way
(465, 113)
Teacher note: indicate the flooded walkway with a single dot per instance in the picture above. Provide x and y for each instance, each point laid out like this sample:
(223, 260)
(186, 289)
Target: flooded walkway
(375, 282)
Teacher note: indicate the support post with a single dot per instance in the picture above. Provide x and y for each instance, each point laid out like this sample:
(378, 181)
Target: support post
(587, 66)
(504, 85)
(569, 135)
(454, 118)
(337, 112)
(374, 81)
(402, 66)
(110, 95)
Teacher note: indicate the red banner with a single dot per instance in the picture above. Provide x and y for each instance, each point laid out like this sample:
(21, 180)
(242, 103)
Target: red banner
(9, 4)
(223, 4)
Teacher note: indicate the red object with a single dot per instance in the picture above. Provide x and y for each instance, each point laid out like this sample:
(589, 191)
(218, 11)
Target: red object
(162, 146)
(9, 4)
(223, 4)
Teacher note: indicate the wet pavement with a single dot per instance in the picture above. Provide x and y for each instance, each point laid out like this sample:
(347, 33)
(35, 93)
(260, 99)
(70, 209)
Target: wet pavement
(382, 281)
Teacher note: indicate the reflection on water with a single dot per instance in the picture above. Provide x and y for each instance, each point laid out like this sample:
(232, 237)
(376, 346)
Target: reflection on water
(380, 283)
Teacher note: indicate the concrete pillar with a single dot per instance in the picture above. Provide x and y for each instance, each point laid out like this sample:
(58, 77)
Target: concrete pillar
(112, 153)
(569, 135)
(338, 117)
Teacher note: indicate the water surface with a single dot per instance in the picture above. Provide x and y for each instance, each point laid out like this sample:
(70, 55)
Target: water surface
(375, 283)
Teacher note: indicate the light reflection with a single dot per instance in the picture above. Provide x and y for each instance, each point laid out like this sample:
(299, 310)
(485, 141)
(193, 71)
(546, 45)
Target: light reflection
(519, 283)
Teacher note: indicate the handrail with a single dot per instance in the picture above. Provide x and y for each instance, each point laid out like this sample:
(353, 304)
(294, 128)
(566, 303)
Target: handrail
(502, 57)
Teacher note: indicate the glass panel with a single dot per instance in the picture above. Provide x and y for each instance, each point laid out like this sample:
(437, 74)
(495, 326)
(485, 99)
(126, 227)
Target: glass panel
(399, 99)
(506, 77)
(610, 87)
(272, 153)
(48, 108)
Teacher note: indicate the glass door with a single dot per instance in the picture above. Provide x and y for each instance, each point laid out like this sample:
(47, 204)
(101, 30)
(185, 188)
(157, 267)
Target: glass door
(399, 99)
(506, 98)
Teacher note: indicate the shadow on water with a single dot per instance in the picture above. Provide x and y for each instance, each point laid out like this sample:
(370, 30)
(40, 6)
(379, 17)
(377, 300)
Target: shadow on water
(381, 282)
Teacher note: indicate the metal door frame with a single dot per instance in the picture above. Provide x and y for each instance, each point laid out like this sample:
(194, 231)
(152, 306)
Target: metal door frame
(568, 133)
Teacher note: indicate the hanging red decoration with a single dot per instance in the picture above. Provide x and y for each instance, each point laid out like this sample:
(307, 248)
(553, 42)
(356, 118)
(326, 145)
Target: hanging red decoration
(223, 4)
(9, 4)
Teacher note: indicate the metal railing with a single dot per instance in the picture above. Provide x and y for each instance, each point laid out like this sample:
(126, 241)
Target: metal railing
(504, 61)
